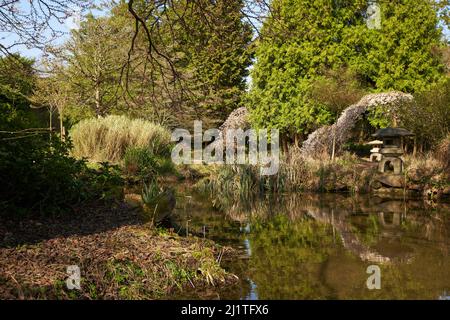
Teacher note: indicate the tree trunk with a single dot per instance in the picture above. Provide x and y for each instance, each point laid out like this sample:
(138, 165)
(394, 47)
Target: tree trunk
(333, 151)
(98, 107)
(296, 140)
(285, 144)
(51, 122)
(62, 131)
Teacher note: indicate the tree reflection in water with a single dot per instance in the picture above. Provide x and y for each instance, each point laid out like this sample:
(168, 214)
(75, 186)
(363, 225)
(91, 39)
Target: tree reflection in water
(318, 246)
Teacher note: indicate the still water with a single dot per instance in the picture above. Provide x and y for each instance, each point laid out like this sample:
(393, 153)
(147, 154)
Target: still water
(319, 246)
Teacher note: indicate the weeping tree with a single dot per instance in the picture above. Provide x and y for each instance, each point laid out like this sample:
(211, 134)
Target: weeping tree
(304, 40)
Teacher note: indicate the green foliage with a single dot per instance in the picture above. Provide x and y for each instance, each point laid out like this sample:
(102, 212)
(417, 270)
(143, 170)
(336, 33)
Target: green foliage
(17, 79)
(39, 176)
(158, 201)
(304, 40)
(94, 54)
(17, 73)
(337, 90)
(199, 68)
(400, 55)
(140, 162)
(379, 117)
(107, 139)
(299, 44)
(215, 49)
(151, 192)
(37, 173)
(104, 182)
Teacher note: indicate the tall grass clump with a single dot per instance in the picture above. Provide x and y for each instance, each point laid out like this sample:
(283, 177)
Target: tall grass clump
(301, 173)
(296, 173)
(107, 139)
(243, 182)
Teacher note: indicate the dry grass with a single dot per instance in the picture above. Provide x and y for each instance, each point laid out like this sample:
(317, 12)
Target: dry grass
(107, 139)
(296, 173)
(346, 173)
(426, 170)
(443, 153)
(432, 168)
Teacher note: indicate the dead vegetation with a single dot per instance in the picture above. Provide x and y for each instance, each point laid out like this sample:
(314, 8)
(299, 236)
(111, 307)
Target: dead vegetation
(128, 260)
(443, 153)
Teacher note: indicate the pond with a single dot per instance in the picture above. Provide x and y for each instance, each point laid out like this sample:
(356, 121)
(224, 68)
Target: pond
(319, 246)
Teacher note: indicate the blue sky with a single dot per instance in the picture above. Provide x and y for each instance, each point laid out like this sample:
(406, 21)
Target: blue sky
(65, 28)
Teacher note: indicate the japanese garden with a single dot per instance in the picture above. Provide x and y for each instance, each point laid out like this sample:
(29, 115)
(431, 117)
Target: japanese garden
(93, 93)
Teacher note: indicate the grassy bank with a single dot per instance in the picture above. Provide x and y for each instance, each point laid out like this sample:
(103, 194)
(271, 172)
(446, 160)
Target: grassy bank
(119, 257)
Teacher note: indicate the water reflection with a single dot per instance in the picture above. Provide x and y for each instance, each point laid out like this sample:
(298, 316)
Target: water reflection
(319, 246)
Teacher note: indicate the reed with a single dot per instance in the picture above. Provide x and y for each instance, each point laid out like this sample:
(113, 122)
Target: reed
(296, 173)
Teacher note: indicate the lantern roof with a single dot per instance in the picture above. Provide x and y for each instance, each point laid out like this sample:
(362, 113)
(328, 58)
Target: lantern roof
(392, 132)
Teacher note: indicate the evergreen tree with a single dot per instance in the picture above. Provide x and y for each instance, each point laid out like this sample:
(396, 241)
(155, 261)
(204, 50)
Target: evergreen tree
(94, 55)
(400, 54)
(194, 68)
(217, 52)
(304, 40)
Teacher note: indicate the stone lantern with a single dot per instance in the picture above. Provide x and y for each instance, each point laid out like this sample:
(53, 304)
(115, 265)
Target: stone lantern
(392, 149)
(375, 155)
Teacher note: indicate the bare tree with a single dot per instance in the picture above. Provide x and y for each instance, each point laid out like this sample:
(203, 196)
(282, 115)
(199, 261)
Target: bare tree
(157, 23)
(149, 17)
(34, 23)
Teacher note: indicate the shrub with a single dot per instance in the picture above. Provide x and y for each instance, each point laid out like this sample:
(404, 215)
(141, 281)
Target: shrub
(37, 173)
(108, 138)
(140, 162)
(337, 90)
(104, 182)
(143, 164)
(428, 116)
(426, 170)
(39, 176)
